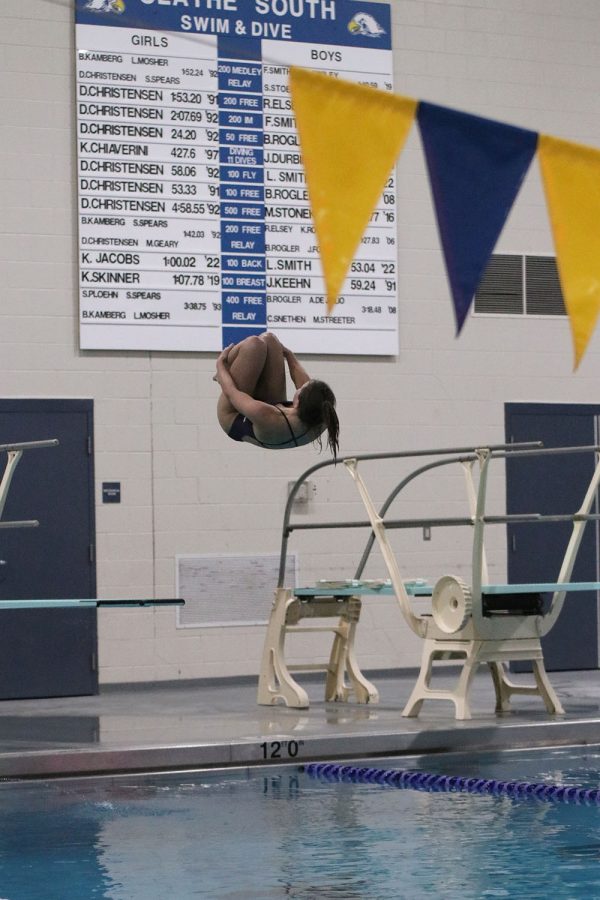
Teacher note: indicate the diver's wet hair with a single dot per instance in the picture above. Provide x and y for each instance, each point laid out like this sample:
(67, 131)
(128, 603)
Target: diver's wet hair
(316, 407)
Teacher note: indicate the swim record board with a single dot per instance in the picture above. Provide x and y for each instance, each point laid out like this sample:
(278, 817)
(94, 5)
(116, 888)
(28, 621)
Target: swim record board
(194, 221)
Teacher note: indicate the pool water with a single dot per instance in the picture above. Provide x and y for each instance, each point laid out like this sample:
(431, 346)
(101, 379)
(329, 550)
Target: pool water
(271, 833)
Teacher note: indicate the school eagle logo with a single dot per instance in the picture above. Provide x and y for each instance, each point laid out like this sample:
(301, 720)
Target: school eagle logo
(364, 24)
(106, 6)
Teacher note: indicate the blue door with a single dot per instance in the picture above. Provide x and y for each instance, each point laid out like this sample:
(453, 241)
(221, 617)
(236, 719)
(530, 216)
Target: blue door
(555, 484)
(49, 652)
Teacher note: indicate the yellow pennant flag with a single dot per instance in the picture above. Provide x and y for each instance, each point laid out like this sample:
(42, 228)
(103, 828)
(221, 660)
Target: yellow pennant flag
(571, 174)
(350, 137)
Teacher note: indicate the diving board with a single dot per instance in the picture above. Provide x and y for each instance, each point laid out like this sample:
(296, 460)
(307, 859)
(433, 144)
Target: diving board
(15, 452)
(425, 590)
(82, 635)
(86, 603)
(541, 588)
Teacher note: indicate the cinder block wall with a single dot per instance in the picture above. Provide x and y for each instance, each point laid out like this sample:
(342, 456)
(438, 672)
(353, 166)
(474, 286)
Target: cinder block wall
(188, 489)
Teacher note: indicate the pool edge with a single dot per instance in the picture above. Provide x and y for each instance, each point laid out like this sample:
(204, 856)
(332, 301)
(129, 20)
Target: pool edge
(284, 747)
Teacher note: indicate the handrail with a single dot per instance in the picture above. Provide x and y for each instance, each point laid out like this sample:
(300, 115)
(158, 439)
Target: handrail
(365, 457)
(463, 459)
(451, 521)
(15, 452)
(579, 522)
(30, 445)
(477, 556)
(417, 623)
(21, 523)
(478, 520)
(461, 455)
(391, 497)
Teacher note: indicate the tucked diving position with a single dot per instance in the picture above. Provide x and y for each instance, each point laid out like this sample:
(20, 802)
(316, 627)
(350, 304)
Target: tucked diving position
(253, 407)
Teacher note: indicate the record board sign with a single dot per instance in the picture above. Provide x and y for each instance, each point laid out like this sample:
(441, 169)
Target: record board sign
(195, 226)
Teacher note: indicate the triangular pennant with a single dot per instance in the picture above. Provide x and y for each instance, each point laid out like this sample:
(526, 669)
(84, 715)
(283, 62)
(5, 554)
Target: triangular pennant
(350, 137)
(476, 167)
(571, 175)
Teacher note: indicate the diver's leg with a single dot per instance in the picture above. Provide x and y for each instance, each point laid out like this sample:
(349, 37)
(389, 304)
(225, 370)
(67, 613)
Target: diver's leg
(271, 385)
(246, 362)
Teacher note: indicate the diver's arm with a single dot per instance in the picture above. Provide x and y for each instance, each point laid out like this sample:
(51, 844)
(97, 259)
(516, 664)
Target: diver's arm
(298, 373)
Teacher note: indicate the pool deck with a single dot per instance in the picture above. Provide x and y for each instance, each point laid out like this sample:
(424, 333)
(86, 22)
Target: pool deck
(195, 725)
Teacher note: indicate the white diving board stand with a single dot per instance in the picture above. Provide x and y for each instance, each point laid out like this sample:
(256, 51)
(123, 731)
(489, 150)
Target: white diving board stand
(458, 628)
(473, 624)
(343, 678)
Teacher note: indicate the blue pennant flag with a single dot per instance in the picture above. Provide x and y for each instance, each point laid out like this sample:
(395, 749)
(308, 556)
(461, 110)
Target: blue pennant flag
(476, 167)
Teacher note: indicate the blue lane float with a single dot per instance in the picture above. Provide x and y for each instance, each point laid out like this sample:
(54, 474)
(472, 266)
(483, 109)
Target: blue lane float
(426, 781)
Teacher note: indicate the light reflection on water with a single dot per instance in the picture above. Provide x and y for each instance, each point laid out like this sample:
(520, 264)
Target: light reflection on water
(278, 834)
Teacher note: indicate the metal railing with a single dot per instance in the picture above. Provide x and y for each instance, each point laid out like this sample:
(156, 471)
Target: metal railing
(453, 455)
(14, 452)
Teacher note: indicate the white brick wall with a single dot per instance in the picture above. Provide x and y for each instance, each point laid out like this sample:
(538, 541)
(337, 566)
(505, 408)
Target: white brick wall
(185, 487)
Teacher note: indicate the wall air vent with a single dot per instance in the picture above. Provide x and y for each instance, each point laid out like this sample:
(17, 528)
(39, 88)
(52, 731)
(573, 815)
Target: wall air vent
(501, 288)
(520, 285)
(228, 590)
(543, 296)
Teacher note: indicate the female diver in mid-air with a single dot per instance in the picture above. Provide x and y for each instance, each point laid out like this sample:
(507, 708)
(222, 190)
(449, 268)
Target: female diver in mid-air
(252, 406)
